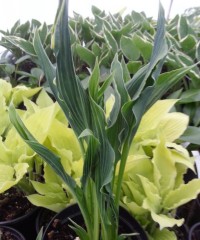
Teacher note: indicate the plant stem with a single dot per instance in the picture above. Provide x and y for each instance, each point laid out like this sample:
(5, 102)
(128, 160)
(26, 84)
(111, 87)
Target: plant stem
(95, 206)
(124, 156)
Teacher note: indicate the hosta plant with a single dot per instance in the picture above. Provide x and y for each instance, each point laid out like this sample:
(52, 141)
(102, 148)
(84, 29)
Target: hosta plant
(18, 64)
(12, 94)
(153, 186)
(19, 164)
(104, 141)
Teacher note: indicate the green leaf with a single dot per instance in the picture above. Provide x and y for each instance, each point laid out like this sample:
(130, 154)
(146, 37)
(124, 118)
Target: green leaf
(166, 81)
(23, 58)
(83, 235)
(105, 85)
(188, 42)
(96, 49)
(23, 44)
(191, 135)
(126, 74)
(137, 83)
(40, 234)
(134, 66)
(144, 46)
(86, 55)
(72, 98)
(94, 82)
(116, 67)
(43, 31)
(10, 68)
(189, 96)
(37, 73)
(129, 48)
(198, 51)
(111, 41)
(47, 66)
(184, 28)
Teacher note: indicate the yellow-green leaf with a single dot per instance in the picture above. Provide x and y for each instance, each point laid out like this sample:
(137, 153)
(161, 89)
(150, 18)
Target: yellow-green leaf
(153, 116)
(165, 221)
(165, 170)
(62, 137)
(43, 100)
(22, 91)
(173, 125)
(163, 234)
(183, 194)
(10, 176)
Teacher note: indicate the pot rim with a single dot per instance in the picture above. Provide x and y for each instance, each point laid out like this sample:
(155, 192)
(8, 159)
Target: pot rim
(134, 225)
(21, 218)
(19, 235)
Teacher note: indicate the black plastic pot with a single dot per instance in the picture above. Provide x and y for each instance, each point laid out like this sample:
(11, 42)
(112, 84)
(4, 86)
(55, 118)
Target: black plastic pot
(43, 218)
(194, 233)
(24, 224)
(16, 235)
(126, 222)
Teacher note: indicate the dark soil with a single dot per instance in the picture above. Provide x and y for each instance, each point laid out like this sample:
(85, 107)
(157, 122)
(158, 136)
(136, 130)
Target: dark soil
(7, 235)
(60, 231)
(59, 228)
(13, 204)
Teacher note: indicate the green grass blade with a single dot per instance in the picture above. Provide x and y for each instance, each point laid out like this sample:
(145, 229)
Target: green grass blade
(70, 89)
(138, 82)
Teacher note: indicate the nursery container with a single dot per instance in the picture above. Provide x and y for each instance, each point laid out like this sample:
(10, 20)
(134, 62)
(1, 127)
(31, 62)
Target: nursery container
(127, 224)
(10, 232)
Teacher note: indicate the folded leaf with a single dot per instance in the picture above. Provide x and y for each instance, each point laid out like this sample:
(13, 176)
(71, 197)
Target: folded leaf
(163, 165)
(183, 194)
(153, 116)
(50, 202)
(10, 176)
(5, 89)
(22, 91)
(152, 197)
(43, 100)
(134, 208)
(4, 121)
(62, 137)
(165, 221)
(173, 125)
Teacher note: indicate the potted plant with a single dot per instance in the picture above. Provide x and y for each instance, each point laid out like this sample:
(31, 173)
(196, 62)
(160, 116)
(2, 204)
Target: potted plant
(154, 186)
(19, 165)
(104, 141)
(14, 207)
